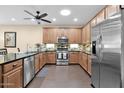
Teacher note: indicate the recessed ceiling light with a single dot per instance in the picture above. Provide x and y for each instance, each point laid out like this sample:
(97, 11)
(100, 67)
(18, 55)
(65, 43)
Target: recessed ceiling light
(13, 19)
(75, 19)
(54, 19)
(65, 12)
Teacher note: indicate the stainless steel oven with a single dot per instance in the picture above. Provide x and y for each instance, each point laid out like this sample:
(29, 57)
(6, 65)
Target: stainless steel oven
(62, 57)
(62, 51)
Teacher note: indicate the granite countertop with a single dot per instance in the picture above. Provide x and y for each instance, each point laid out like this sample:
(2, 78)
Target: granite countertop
(87, 52)
(14, 56)
(74, 51)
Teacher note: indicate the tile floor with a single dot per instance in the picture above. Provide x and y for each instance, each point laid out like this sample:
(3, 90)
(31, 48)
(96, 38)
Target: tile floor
(51, 76)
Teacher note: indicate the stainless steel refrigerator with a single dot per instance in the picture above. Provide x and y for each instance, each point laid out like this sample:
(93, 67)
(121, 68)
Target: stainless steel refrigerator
(108, 52)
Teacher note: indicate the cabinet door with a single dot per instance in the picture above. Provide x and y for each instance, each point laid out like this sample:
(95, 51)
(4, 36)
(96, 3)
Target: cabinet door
(51, 57)
(41, 60)
(88, 34)
(80, 58)
(44, 58)
(85, 61)
(74, 57)
(75, 36)
(93, 22)
(37, 63)
(49, 35)
(13, 79)
(101, 16)
(83, 35)
(52, 35)
(78, 38)
(60, 32)
(89, 64)
(45, 36)
(111, 9)
(66, 33)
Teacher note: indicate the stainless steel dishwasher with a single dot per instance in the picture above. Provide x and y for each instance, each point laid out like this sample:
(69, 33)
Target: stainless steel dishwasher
(28, 69)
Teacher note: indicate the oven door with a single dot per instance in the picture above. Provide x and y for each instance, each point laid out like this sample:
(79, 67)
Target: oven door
(65, 56)
(59, 56)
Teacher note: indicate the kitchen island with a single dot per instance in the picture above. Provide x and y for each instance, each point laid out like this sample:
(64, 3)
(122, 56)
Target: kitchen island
(18, 69)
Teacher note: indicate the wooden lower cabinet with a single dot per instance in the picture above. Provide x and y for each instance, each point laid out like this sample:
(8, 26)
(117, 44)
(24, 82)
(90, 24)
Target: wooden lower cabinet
(89, 64)
(41, 61)
(51, 57)
(85, 61)
(44, 58)
(13, 79)
(74, 57)
(37, 63)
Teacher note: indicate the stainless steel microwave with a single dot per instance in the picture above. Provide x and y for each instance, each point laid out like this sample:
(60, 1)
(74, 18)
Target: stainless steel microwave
(62, 40)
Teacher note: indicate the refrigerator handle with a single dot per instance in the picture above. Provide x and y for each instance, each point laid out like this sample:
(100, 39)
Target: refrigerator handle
(101, 48)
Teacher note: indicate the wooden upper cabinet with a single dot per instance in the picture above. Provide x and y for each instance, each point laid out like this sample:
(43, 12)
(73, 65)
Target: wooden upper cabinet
(112, 9)
(75, 36)
(49, 35)
(45, 35)
(101, 16)
(66, 32)
(93, 22)
(86, 34)
(83, 35)
(51, 57)
(74, 57)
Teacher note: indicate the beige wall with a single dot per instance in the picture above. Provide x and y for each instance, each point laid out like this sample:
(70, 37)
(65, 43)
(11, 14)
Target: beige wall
(25, 35)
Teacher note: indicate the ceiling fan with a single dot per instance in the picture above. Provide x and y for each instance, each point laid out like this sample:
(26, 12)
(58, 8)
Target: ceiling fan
(38, 17)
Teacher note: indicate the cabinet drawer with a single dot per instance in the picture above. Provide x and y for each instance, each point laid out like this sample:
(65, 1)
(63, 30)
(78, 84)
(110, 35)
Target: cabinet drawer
(10, 66)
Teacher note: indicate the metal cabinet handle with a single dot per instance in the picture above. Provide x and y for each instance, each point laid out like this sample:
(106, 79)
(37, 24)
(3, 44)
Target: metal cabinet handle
(14, 65)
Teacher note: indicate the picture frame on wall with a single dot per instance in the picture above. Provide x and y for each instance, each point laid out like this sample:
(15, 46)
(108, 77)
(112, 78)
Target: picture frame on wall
(10, 39)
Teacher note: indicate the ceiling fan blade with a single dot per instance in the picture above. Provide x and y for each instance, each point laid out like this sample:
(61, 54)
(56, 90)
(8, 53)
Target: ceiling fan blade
(46, 21)
(29, 13)
(43, 15)
(28, 18)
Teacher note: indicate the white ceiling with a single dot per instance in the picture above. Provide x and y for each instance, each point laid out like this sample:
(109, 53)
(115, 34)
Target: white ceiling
(84, 13)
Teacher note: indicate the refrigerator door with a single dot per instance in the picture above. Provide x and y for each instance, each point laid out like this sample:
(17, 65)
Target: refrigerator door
(110, 73)
(95, 56)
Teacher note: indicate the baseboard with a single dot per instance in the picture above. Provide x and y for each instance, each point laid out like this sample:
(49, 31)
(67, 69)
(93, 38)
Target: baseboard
(73, 64)
(50, 64)
(85, 71)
